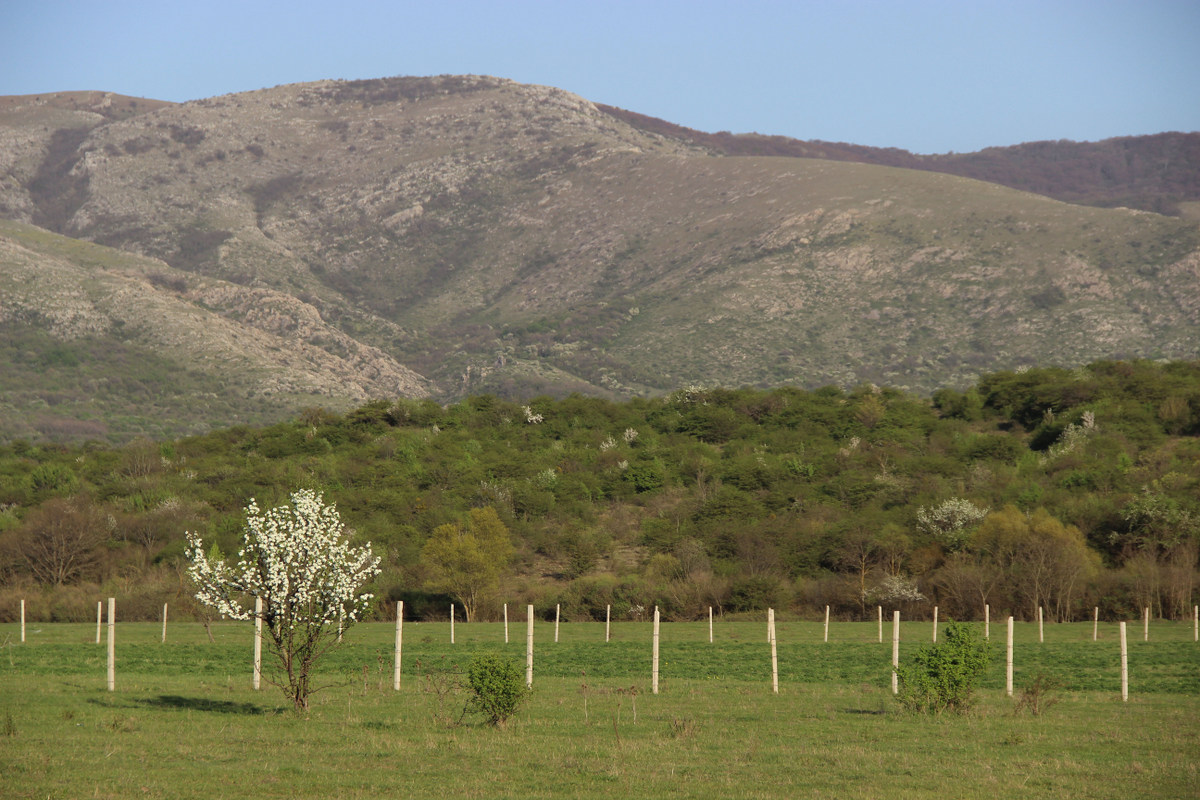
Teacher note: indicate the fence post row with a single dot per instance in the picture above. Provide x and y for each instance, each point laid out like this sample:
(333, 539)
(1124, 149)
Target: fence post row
(771, 638)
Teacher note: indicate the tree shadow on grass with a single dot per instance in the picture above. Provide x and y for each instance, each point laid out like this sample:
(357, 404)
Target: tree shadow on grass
(175, 701)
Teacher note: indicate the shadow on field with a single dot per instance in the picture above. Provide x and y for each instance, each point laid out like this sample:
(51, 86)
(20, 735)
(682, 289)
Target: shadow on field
(200, 704)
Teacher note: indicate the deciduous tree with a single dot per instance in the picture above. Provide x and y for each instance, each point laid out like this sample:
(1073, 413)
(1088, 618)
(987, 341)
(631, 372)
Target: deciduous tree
(297, 558)
(467, 561)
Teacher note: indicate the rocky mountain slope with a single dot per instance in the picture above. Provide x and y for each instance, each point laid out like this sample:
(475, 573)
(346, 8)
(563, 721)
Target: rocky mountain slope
(452, 235)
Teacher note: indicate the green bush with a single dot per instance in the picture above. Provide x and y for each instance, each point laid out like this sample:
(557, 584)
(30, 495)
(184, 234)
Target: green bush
(497, 687)
(943, 676)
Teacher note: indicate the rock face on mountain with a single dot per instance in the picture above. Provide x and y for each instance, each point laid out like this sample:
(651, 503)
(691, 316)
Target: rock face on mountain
(324, 243)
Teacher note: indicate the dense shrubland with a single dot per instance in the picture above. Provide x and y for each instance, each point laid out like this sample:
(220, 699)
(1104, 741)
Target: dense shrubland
(1049, 487)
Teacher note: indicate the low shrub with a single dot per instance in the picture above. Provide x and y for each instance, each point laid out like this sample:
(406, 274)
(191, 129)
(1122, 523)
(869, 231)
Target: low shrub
(943, 676)
(497, 688)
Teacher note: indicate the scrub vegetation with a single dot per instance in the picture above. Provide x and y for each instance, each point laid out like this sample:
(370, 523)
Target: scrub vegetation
(1052, 489)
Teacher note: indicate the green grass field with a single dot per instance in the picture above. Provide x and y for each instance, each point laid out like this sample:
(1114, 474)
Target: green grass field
(184, 721)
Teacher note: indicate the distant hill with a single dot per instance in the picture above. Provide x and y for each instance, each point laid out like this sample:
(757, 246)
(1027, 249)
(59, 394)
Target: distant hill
(1152, 173)
(324, 243)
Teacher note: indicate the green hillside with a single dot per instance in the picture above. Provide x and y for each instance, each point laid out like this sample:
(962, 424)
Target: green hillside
(1065, 489)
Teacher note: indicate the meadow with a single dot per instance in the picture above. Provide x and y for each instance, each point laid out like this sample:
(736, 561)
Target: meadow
(185, 722)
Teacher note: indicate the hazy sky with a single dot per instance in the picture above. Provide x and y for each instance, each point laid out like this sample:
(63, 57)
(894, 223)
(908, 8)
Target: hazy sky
(925, 75)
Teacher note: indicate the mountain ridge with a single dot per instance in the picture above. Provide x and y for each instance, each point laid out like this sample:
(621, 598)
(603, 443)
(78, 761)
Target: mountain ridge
(462, 234)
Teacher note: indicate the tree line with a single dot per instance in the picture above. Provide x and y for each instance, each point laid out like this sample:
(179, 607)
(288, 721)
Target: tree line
(1047, 487)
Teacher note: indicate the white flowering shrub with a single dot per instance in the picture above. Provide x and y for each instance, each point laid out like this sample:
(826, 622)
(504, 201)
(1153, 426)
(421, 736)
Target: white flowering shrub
(894, 590)
(296, 557)
(1071, 438)
(950, 522)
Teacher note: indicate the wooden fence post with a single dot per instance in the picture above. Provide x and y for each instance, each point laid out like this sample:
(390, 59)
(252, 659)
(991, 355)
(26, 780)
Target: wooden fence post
(1041, 629)
(1196, 623)
(710, 624)
(99, 618)
(1146, 624)
(22, 619)
(895, 651)
(112, 644)
(827, 623)
(774, 655)
(399, 643)
(987, 621)
(557, 611)
(935, 609)
(258, 615)
(1095, 623)
(506, 623)
(1008, 661)
(164, 635)
(529, 646)
(654, 671)
(607, 621)
(452, 623)
(1124, 665)
(881, 624)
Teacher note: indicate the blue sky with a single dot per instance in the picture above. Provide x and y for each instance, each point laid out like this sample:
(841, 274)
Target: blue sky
(929, 76)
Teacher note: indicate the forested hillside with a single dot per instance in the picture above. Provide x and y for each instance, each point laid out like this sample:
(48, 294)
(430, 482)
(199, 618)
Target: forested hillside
(1049, 487)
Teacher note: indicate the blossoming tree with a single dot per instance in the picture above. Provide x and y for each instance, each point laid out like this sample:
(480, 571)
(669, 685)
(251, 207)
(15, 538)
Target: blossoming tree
(297, 559)
(951, 521)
